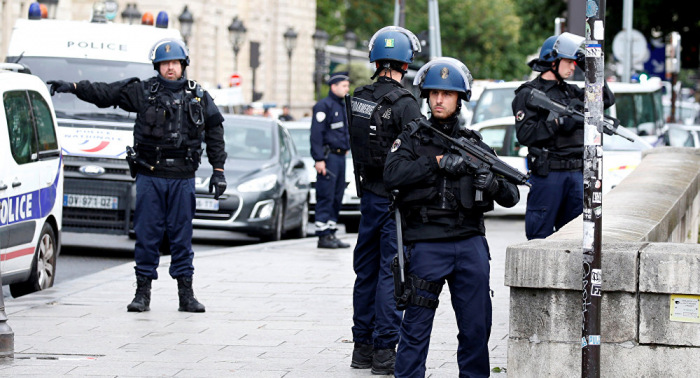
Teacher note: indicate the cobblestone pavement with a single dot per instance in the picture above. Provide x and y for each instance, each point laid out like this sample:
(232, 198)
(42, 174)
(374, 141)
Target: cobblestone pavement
(279, 309)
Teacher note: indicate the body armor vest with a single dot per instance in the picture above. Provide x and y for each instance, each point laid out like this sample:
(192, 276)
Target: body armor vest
(371, 132)
(171, 125)
(449, 197)
(562, 141)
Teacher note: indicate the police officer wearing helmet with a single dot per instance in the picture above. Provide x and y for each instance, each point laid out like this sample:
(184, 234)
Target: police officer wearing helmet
(443, 224)
(330, 143)
(379, 112)
(555, 145)
(173, 116)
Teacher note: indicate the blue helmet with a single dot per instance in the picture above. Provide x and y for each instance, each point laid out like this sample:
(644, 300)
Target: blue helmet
(393, 43)
(565, 45)
(447, 74)
(169, 49)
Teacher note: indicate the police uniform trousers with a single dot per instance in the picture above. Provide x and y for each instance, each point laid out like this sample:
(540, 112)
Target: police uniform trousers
(465, 266)
(164, 206)
(552, 202)
(375, 318)
(329, 194)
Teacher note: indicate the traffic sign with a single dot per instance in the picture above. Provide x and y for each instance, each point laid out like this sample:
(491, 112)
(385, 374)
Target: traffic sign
(235, 80)
(640, 52)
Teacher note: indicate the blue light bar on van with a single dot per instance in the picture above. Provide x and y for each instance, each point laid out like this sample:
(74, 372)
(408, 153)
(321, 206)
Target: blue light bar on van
(162, 20)
(35, 11)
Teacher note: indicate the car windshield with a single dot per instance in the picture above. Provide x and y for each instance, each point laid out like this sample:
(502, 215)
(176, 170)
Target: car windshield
(302, 141)
(247, 140)
(67, 105)
(494, 103)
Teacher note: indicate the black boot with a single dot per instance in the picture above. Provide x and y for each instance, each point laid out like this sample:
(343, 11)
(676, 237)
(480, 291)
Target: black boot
(339, 243)
(362, 356)
(188, 302)
(327, 241)
(383, 361)
(142, 299)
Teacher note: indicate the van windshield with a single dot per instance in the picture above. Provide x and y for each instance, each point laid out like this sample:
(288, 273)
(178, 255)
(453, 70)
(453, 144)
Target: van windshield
(67, 105)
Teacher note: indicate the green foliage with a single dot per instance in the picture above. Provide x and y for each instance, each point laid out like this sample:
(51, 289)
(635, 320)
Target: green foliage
(359, 76)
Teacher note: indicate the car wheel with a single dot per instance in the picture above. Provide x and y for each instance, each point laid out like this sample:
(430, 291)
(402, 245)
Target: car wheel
(43, 270)
(300, 232)
(278, 225)
(352, 226)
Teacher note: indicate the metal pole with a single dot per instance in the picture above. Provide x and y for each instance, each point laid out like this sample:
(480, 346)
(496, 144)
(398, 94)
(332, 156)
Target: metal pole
(592, 190)
(400, 13)
(289, 81)
(7, 336)
(434, 29)
(627, 27)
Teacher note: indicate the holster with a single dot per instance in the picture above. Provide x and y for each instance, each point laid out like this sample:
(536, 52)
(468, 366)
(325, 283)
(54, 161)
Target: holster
(131, 160)
(402, 291)
(538, 161)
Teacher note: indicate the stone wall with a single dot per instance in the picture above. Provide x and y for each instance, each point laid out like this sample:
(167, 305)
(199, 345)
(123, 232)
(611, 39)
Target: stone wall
(649, 253)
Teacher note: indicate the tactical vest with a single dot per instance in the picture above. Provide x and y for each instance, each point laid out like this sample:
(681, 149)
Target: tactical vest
(371, 132)
(562, 141)
(170, 128)
(449, 197)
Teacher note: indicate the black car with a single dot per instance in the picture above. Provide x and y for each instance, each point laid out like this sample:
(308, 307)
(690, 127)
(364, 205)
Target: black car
(268, 187)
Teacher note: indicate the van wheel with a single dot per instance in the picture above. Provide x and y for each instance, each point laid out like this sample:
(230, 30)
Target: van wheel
(43, 266)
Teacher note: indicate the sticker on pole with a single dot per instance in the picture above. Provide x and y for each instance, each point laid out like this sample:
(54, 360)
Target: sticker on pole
(596, 282)
(685, 308)
(594, 339)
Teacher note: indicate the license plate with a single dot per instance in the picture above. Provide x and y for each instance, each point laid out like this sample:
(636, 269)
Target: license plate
(207, 204)
(90, 202)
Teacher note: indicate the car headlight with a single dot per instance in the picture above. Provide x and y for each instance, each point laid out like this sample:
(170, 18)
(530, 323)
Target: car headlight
(260, 184)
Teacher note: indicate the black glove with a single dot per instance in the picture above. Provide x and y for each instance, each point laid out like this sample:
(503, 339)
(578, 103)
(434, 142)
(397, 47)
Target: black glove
(453, 164)
(61, 86)
(485, 180)
(569, 124)
(217, 184)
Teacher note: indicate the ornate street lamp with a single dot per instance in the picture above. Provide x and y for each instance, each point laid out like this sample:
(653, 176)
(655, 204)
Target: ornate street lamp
(290, 40)
(350, 42)
(320, 41)
(186, 20)
(51, 6)
(236, 33)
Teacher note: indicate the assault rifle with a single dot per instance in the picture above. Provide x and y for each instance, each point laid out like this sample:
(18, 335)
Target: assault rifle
(556, 109)
(476, 157)
(355, 167)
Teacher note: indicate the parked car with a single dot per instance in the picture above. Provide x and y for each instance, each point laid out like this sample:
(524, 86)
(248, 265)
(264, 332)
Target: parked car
(350, 207)
(268, 187)
(31, 183)
(620, 156)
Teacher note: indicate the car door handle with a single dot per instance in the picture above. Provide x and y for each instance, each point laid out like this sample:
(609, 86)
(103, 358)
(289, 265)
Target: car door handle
(16, 184)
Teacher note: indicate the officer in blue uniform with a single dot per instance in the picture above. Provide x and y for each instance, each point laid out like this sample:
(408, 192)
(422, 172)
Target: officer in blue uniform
(173, 116)
(379, 111)
(329, 144)
(555, 145)
(443, 224)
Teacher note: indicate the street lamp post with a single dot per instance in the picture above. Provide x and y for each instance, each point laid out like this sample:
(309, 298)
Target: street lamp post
(320, 40)
(186, 20)
(290, 41)
(131, 15)
(51, 6)
(350, 41)
(236, 33)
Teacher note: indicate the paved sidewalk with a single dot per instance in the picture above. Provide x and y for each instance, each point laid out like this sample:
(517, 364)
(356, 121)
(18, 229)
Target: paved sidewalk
(273, 310)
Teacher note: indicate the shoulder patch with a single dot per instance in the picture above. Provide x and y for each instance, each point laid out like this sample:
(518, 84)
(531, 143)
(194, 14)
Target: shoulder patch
(320, 116)
(396, 145)
(519, 115)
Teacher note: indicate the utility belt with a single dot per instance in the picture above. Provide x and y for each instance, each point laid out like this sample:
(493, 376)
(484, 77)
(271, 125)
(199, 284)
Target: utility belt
(540, 163)
(153, 157)
(565, 165)
(337, 151)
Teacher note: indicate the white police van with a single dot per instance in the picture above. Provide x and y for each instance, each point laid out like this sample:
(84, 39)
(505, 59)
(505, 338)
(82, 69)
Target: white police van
(31, 183)
(99, 192)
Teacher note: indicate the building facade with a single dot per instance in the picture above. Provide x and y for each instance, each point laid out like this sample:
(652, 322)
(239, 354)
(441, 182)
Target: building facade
(211, 52)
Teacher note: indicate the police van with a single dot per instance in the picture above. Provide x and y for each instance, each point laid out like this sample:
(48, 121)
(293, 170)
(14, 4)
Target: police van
(31, 183)
(99, 192)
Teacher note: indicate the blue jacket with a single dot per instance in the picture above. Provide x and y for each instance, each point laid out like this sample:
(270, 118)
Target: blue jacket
(329, 126)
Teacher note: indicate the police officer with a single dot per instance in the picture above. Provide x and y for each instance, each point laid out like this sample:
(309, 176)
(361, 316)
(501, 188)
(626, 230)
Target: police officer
(444, 224)
(379, 111)
(173, 115)
(329, 144)
(555, 145)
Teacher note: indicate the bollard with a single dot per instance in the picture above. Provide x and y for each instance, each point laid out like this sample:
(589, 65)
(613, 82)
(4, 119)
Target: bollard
(7, 337)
